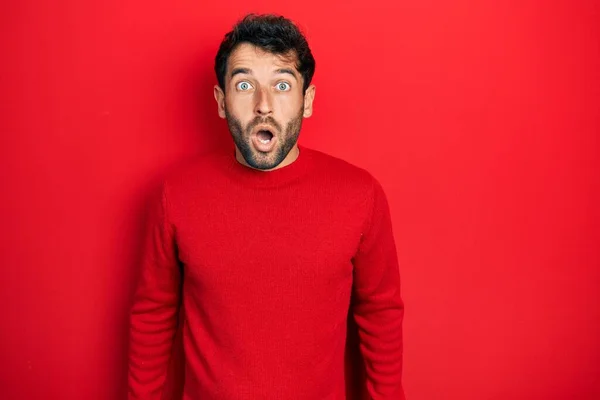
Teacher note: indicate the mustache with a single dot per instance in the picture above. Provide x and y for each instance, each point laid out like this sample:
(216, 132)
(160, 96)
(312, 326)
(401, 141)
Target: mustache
(263, 121)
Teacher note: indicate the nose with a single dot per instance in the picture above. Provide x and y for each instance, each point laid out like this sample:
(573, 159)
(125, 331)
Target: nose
(263, 104)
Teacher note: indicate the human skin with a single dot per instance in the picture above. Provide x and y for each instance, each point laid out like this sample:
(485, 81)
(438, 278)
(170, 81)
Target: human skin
(264, 92)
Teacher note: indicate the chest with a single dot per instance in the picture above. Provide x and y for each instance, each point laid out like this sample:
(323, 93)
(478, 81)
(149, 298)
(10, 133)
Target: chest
(280, 240)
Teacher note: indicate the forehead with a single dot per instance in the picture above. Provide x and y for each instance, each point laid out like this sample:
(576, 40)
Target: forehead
(250, 56)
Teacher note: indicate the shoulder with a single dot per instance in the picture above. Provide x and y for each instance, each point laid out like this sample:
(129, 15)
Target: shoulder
(195, 175)
(352, 188)
(338, 171)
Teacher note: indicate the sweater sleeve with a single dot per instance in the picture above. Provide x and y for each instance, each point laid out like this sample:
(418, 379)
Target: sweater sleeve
(155, 306)
(377, 307)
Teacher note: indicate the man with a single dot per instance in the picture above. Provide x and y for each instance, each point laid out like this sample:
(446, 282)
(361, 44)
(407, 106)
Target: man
(269, 250)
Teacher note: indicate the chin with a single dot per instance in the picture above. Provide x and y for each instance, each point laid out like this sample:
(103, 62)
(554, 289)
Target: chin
(263, 161)
(259, 161)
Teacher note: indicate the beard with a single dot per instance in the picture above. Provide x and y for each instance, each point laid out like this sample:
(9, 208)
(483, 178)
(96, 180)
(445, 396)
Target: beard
(286, 139)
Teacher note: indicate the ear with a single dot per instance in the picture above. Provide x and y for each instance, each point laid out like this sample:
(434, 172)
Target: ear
(309, 97)
(220, 98)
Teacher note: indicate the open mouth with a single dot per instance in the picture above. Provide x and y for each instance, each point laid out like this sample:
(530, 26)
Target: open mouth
(264, 139)
(264, 136)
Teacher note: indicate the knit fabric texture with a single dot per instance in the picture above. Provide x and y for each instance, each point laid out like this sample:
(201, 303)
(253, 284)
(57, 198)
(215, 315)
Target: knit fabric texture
(266, 267)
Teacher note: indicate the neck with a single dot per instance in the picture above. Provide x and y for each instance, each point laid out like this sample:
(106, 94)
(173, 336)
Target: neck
(290, 158)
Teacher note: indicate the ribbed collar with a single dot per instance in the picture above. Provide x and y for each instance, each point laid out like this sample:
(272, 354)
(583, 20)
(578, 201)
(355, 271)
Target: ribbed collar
(256, 178)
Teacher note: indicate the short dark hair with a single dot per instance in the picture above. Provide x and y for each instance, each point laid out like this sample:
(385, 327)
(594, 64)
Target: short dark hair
(272, 33)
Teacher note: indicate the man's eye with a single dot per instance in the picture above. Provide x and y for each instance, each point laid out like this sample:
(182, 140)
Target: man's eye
(283, 86)
(244, 86)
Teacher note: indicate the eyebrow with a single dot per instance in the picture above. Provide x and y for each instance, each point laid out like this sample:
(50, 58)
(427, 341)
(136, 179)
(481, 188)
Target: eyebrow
(236, 71)
(248, 71)
(286, 71)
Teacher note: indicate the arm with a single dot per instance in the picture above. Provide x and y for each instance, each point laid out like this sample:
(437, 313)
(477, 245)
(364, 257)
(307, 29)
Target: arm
(378, 309)
(155, 307)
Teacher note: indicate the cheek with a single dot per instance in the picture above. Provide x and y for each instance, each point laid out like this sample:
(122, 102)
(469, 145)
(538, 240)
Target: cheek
(239, 107)
(290, 106)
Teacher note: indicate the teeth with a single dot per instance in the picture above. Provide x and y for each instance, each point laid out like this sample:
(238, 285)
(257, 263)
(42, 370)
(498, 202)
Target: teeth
(264, 141)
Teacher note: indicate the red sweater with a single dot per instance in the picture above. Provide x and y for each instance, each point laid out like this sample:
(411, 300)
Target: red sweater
(264, 265)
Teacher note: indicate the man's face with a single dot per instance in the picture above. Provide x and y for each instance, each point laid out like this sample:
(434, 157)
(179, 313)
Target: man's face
(264, 105)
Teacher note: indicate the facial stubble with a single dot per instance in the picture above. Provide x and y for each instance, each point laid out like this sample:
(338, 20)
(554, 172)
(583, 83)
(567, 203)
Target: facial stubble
(286, 139)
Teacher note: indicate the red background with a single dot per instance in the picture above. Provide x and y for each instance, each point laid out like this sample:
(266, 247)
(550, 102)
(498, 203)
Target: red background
(480, 118)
